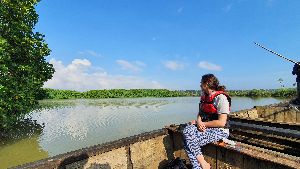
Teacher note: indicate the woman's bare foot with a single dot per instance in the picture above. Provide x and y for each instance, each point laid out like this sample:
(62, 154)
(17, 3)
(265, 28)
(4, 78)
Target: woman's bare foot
(205, 165)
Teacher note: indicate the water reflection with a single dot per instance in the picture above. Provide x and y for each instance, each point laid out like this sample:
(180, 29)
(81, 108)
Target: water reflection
(92, 122)
(67, 125)
(22, 129)
(240, 103)
(21, 144)
(53, 104)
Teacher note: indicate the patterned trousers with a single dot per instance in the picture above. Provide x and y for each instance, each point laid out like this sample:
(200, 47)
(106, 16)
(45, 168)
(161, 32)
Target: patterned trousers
(194, 140)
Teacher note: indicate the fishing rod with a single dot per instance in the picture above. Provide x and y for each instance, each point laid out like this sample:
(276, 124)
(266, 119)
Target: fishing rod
(276, 54)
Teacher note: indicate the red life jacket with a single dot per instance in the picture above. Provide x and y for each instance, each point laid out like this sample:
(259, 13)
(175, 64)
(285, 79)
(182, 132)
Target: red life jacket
(207, 107)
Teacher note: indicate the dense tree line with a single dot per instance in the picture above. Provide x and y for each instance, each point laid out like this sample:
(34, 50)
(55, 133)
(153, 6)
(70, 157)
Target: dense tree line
(135, 93)
(283, 93)
(113, 93)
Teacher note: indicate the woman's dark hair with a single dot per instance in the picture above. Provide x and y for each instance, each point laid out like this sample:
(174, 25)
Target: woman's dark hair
(212, 82)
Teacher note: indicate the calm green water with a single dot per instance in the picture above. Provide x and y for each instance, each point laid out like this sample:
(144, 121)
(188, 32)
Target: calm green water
(66, 125)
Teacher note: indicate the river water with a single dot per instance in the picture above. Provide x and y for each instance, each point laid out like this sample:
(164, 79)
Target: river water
(65, 125)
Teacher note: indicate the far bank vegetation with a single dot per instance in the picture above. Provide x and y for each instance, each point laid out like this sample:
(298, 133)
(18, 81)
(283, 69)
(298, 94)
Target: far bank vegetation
(136, 93)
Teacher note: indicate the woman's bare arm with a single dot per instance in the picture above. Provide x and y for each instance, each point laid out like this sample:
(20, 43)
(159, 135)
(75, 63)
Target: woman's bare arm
(217, 123)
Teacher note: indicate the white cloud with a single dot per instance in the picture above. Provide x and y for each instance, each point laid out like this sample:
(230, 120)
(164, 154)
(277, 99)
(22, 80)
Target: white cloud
(131, 66)
(139, 63)
(174, 65)
(79, 65)
(90, 53)
(81, 76)
(209, 66)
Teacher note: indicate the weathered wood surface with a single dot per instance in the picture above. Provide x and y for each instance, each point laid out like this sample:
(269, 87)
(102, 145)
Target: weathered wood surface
(284, 113)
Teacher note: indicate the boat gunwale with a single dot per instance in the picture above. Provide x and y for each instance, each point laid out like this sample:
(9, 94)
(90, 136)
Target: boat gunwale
(83, 153)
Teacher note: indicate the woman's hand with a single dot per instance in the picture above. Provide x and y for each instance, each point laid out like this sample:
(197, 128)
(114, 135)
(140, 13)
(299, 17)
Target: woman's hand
(201, 126)
(193, 122)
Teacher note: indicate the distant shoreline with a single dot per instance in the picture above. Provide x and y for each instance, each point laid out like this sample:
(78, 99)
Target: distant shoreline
(139, 93)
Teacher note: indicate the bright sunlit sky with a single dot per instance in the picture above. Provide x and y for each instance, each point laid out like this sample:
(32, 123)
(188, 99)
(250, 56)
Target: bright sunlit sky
(105, 44)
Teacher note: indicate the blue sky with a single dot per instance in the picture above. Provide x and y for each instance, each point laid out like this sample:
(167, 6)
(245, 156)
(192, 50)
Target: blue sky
(104, 44)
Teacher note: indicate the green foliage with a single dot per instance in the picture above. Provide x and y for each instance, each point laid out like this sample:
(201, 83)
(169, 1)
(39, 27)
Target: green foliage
(135, 93)
(283, 93)
(23, 68)
(113, 93)
(60, 94)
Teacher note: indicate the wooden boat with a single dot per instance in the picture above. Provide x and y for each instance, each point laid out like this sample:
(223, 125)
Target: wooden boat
(156, 148)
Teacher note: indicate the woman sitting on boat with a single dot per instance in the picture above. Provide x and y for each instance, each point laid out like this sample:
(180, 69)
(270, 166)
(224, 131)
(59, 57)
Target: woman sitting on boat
(212, 121)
